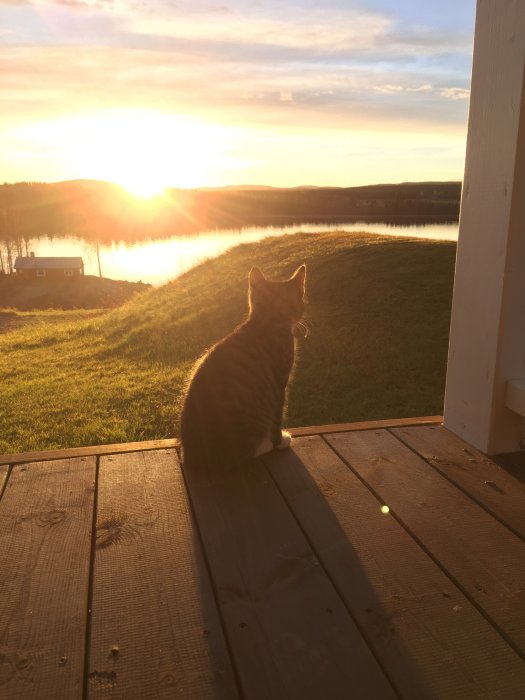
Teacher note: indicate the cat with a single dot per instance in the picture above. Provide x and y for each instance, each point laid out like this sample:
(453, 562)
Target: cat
(232, 411)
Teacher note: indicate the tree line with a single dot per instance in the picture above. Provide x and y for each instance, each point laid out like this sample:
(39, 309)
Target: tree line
(106, 212)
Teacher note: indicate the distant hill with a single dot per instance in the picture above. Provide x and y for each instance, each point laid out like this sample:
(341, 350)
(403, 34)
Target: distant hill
(229, 188)
(100, 210)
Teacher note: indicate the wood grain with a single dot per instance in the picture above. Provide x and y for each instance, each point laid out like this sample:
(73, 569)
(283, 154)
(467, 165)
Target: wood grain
(155, 631)
(4, 471)
(480, 554)
(404, 604)
(45, 537)
(476, 474)
(291, 635)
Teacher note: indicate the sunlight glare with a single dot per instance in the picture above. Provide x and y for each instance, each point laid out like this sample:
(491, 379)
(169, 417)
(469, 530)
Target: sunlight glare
(146, 188)
(148, 151)
(145, 151)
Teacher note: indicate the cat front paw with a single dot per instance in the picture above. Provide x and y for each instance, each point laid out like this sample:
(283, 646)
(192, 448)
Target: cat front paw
(286, 440)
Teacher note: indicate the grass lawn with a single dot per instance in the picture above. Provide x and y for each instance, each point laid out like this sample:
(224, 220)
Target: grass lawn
(378, 316)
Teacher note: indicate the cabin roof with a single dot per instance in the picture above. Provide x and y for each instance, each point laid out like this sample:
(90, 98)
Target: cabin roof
(24, 262)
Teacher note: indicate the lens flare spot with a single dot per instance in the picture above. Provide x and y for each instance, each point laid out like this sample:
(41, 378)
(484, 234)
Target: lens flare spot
(385, 510)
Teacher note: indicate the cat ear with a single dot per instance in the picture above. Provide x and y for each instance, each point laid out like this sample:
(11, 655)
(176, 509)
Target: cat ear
(299, 277)
(256, 276)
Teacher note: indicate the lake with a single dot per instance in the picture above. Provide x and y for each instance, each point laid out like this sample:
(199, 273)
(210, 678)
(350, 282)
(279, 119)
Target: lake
(158, 261)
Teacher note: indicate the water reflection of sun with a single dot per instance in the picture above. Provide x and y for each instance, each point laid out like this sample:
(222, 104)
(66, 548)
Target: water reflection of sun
(160, 261)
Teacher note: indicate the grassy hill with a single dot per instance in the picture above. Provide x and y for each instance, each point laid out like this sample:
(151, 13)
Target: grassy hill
(378, 317)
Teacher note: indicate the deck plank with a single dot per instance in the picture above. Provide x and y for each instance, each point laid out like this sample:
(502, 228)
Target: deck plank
(401, 599)
(155, 631)
(480, 554)
(4, 471)
(290, 633)
(169, 443)
(46, 518)
(497, 490)
(364, 425)
(88, 451)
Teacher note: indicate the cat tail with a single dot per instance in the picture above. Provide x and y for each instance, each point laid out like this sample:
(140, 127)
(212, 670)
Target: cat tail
(201, 462)
(207, 465)
(204, 454)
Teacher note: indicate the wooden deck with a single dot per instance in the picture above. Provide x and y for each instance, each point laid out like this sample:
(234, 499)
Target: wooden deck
(118, 579)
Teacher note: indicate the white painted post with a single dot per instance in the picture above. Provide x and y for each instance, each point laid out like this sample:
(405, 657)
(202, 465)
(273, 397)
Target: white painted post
(487, 337)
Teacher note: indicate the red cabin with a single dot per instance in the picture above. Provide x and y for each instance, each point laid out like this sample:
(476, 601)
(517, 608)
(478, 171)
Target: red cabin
(32, 266)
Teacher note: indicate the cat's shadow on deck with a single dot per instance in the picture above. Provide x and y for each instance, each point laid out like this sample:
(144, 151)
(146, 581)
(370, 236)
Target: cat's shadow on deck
(294, 595)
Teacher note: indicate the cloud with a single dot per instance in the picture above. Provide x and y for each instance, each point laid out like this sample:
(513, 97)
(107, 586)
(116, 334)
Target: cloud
(388, 89)
(86, 4)
(83, 4)
(341, 69)
(455, 93)
(248, 34)
(51, 80)
(309, 33)
(421, 88)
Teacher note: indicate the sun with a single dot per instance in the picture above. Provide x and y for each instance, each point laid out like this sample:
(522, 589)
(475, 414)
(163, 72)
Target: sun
(146, 151)
(143, 188)
(143, 150)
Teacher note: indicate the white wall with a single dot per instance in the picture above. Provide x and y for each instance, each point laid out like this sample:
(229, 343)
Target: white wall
(487, 342)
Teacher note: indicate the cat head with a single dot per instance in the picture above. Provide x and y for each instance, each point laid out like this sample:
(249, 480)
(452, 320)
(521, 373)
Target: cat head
(277, 301)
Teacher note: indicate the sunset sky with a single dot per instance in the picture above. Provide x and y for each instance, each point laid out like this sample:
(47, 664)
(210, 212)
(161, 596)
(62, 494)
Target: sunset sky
(188, 93)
